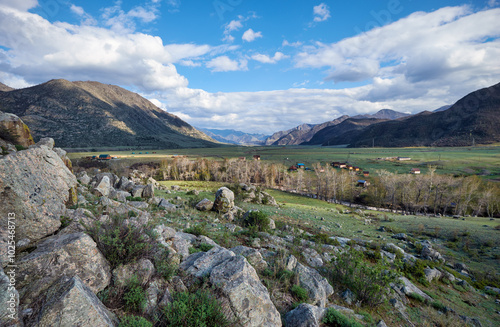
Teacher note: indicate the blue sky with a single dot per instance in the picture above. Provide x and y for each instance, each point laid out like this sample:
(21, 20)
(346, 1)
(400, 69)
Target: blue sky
(259, 66)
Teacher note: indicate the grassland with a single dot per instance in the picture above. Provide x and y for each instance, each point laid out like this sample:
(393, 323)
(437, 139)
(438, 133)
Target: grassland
(481, 160)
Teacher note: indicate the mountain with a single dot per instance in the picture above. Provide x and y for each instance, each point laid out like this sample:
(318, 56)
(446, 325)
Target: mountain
(302, 133)
(383, 114)
(234, 137)
(473, 119)
(91, 114)
(5, 88)
(340, 134)
(443, 108)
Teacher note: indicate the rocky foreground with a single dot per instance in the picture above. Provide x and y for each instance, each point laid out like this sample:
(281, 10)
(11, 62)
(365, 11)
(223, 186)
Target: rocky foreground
(66, 273)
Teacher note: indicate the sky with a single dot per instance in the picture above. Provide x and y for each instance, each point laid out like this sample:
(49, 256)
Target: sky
(259, 66)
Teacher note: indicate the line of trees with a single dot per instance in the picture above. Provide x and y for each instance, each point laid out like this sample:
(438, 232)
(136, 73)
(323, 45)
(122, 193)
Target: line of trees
(425, 193)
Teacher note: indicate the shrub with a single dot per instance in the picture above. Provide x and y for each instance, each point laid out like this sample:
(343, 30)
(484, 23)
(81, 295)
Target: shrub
(368, 282)
(134, 296)
(438, 306)
(333, 318)
(193, 309)
(131, 198)
(132, 214)
(257, 219)
(300, 293)
(20, 147)
(65, 221)
(121, 243)
(414, 270)
(324, 238)
(134, 321)
(197, 230)
(416, 297)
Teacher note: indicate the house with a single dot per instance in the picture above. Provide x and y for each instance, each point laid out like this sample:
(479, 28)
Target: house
(104, 157)
(256, 157)
(404, 158)
(366, 173)
(357, 169)
(342, 165)
(300, 165)
(350, 167)
(415, 171)
(363, 183)
(292, 168)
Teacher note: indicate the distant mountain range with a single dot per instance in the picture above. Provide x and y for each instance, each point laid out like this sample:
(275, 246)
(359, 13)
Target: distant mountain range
(232, 136)
(92, 114)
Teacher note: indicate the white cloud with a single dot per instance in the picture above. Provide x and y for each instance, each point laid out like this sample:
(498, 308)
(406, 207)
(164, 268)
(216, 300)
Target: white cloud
(235, 25)
(86, 18)
(250, 35)
(20, 4)
(291, 44)
(224, 64)
(493, 3)
(265, 59)
(77, 10)
(125, 22)
(321, 12)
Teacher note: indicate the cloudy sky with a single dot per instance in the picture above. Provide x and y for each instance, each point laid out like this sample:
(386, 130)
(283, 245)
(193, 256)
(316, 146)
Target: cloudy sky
(259, 66)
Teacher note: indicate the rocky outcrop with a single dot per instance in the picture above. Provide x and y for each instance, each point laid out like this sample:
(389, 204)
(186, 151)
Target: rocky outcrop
(432, 273)
(62, 255)
(13, 130)
(70, 302)
(429, 253)
(204, 205)
(237, 284)
(142, 269)
(305, 315)
(253, 256)
(407, 287)
(103, 188)
(148, 191)
(316, 285)
(35, 184)
(224, 200)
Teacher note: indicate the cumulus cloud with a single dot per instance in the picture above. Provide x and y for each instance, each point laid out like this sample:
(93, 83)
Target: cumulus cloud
(20, 4)
(265, 59)
(250, 35)
(224, 64)
(39, 50)
(291, 44)
(235, 25)
(321, 12)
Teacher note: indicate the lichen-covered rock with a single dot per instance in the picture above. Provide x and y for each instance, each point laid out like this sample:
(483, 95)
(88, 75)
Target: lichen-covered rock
(313, 258)
(69, 302)
(137, 191)
(84, 178)
(408, 287)
(432, 273)
(253, 256)
(35, 185)
(9, 300)
(148, 191)
(17, 130)
(204, 205)
(429, 253)
(199, 265)
(305, 315)
(224, 200)
(316, 285)
(104, 187)
(61, 255)
(249, 300)
(142, 269)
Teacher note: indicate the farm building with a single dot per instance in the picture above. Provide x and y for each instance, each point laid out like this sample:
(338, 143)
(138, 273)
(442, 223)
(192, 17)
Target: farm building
(342, 165)
(104, 157)
(292, 168)
(256, 157)
(363, 183)
(300, 165)
(366, 173)
(404, 158)
(356, 169)
(415, 171)
(350, 167)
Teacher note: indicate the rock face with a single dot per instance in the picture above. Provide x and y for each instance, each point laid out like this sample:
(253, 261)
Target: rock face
(430, 254)
(148, 191)
(224, 200)
(62, 255)
(237, 283)
(13, 130)
(305, 315)
(316, 285)
(69, 302)
(143, 269)
(103, 188)
(253, 256)
(408, 288)
(35, 184)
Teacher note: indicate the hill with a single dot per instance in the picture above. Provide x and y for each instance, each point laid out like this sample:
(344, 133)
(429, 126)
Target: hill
(92, 114)
(5, 88)
(232, 136)
(474, 119)
(302, 133)
(383, 114)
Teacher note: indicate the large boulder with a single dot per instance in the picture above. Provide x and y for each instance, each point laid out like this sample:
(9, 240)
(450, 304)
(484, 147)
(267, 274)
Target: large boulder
(318, 288)
(103, 188)
(407, 287)
(61, 255)
(253, 256)
(236, 283)
(143, 269)
(204, 205)
(9, 299)
(224, 200)
(70, 302)
(249, 300)
(429, 253)
(14, 130)
(148, 191)
(305, 315)
(35, 184)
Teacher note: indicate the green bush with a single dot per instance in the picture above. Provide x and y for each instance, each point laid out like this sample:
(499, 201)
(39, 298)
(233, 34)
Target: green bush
(197, 230)
(414, 270)
(257, 219)
(416, 297)
(367, 281)
(438, 306)
(166, 269)
(134, 321)
(193, 309)
(19, 147)
(333, 318)
(121, 243)
(132, 214)
(323, 238)
(131, 198)
(300, 293)
(134, 296)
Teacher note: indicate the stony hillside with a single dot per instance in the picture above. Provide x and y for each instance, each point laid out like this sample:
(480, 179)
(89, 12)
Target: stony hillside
(5, 88)
(383, 114)
(91, 114)
(474, 119)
